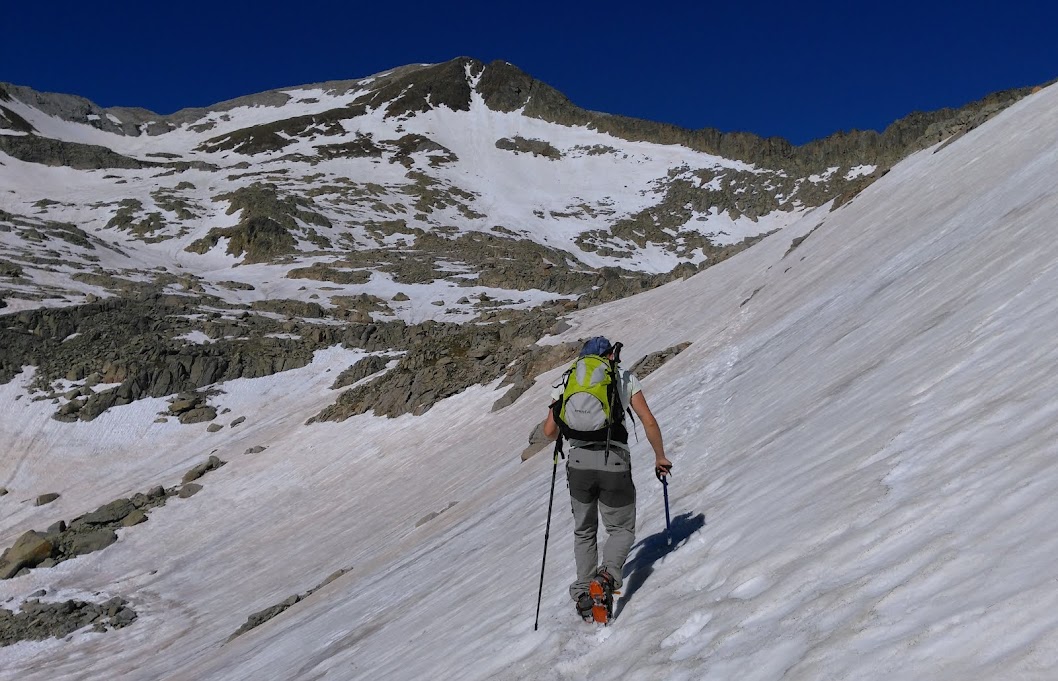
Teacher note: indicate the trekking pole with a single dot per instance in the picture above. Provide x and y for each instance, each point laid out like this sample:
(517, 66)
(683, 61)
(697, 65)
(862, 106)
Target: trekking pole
(547, 530)
(668, 525)
(665, 486)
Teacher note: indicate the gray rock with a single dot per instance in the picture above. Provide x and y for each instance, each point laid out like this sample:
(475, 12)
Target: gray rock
(134, 518)
(198, 415)
(3, 491)
(238, 421)
(214, 427)
(196, 472)
(653, 361)
(39, 620)
(112, 512)
(333, 576)
(212, 463)
(256, 449)
(184, 405)
(28, 551)
(46, 498)
(261, 616)
(188, 490)
(89, 542)
(537, 442)
(433, 514)
(362, 369)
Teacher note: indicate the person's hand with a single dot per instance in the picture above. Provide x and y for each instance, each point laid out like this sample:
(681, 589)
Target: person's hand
(662, 467)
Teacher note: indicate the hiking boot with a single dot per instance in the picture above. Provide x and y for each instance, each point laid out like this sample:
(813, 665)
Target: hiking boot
(584, 606)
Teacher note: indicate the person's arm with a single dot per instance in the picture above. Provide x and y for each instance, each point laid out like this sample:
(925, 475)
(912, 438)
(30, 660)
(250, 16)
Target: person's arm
(653, 432)
(550, 427)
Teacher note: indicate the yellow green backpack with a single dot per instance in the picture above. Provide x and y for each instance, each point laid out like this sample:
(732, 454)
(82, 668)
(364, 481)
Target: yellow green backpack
(590, 407)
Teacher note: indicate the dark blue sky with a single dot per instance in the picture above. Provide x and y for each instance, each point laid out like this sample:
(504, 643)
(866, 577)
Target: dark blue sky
(800, 71)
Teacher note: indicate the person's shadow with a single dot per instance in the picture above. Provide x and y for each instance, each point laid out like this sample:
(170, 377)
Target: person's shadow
(651, 550)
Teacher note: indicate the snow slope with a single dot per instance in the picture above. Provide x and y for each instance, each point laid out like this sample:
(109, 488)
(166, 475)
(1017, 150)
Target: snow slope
(864, 437)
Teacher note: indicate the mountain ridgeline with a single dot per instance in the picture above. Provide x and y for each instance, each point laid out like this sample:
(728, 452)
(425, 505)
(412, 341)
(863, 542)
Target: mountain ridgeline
(440, 217)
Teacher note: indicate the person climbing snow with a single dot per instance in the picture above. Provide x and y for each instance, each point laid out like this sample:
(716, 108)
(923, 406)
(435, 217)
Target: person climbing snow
(587, 409)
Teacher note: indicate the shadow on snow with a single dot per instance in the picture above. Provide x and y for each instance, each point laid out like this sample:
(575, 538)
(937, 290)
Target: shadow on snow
(651, 550)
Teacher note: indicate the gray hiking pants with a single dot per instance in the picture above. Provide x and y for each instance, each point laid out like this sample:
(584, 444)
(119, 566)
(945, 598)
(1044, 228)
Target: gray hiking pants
(600, 485)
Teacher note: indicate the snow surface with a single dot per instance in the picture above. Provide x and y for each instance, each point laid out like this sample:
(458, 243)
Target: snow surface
(863, 433)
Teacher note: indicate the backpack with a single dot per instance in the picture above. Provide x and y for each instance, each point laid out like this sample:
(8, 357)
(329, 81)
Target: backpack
(590, 407)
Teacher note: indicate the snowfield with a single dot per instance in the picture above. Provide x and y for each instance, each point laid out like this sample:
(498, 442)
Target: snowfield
(864, 436)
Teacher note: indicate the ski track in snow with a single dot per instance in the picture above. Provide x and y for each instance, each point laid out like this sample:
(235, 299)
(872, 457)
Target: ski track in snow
(863, 433)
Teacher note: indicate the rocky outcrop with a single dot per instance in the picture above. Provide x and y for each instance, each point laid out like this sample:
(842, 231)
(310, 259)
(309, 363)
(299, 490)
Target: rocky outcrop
(521, 145)
(361, 370)
(53, 152)
(441, 360)
(321, 272)
(433, 514)
(261, 616)
(653, 361)
(537, 359)
(96, 530)
(9, 269)
(38, 620)
(268, 224)
(133, 342)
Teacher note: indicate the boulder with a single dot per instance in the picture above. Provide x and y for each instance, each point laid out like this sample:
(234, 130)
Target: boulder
(28, 551)
(46, 498)
(182, 405)
(198, 415)
(109, 513)
(201, 469)
(88, 542)
(134, 518)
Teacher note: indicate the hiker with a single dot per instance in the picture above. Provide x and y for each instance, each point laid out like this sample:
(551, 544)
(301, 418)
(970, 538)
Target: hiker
(599, 474)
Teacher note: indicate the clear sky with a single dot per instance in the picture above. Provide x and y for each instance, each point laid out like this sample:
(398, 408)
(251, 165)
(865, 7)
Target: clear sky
(796, 70)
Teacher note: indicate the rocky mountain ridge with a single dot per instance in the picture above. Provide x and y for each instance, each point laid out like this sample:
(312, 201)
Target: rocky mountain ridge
(443, 215)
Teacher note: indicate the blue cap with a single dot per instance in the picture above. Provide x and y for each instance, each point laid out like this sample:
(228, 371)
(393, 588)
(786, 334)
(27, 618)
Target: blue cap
(596, 346)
